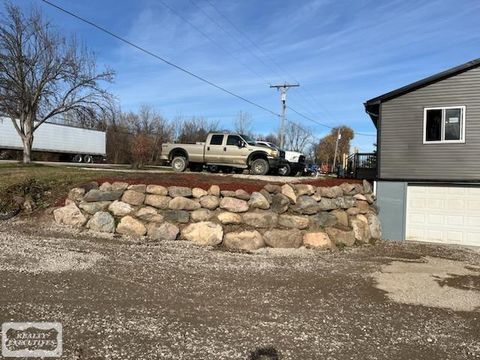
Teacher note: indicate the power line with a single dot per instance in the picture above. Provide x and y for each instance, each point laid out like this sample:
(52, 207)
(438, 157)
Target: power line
(319, 123)
(148, 52)
(204, 34)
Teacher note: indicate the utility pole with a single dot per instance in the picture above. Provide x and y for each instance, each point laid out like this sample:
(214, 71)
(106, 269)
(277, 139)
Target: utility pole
(283, 99)
(339, 136)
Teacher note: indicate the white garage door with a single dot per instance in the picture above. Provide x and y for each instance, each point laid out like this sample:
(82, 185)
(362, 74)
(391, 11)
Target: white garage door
(444, 214)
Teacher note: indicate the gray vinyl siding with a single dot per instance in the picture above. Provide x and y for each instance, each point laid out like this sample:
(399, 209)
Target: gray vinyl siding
(403, 155)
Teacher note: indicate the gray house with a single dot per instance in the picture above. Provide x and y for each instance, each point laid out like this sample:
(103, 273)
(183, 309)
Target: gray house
(428, 165)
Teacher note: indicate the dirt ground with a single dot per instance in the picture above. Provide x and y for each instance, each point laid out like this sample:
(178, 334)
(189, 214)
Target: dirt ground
(121, 298)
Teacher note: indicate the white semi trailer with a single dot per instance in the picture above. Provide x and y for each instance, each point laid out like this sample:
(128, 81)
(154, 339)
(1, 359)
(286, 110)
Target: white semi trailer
(73, 143)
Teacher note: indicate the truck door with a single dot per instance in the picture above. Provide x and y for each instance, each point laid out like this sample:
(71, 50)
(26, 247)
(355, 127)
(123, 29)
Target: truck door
(214, 149)
(235, 151)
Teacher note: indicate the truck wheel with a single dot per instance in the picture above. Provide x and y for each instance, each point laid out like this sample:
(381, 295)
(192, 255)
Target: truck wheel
(259, 167)
(284, 170)
(179, 164)
(88, 159)
(77, 158)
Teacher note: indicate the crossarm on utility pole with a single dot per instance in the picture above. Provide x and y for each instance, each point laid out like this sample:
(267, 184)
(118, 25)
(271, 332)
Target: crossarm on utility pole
(283, 99)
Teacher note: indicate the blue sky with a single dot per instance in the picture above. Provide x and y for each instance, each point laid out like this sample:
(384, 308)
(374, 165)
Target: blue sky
(342, 53)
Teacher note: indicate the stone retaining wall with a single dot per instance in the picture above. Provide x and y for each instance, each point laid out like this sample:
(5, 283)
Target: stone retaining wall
(287, 216)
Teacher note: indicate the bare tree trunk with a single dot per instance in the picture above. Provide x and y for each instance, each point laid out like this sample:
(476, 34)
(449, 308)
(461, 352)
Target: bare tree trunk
(27, 148)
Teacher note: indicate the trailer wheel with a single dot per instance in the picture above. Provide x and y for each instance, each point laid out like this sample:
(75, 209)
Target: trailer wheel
(259, 167)
(179, 163)
(77, 158)
(88, 159)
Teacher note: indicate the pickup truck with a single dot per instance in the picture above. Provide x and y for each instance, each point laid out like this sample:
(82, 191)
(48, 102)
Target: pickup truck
(295, 163)
(223, 152)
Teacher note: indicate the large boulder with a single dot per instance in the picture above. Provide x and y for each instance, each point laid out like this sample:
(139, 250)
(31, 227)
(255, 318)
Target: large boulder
(210, 202)
(141, 188)
(133, 197)
(362, 206)
(177, 216)
(242, 194)
(328, 204)
(198, 193)
(76, 194)
(163, 231)
(234, 205)
(306, 205)
(157, 190)
(341, 237)
(351, 189)
(106, 186)
(361, 229)
(119, 186)
(93, 207)
(102, 221)
(120, 208)
(283, 238)
(227, 193)
(267, 195)
(95, 195)
(69, 215)
(158, 201)
(148, 213)
(130, 226)
(183, 203)
(318, 240)
(342, 217)
(258, 201)
(280, 203)
(289, 192)
(175, 191)
(323, 219)
(293, 221)
(345, 202)
(367, 187)
(201, 215)
(261, 219)
(244, 240)
(305, 189)
(214, 190)
(228, 218)
(330, 192)
(375, 228)
(204, 233)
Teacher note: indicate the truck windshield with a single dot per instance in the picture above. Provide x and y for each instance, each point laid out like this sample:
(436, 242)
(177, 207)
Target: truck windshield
(248, 139)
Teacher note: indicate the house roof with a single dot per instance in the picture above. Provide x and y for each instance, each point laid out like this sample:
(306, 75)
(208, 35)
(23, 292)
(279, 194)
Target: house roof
(372, 106)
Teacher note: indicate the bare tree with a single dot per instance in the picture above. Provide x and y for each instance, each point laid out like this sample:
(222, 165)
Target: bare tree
(43, 75)
(194, 129)
(297, 137)
(243, 123)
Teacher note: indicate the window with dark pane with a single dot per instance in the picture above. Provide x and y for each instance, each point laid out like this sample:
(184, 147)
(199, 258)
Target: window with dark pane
(233, 140)
(453, 119)
(434, 125)
(216, 140)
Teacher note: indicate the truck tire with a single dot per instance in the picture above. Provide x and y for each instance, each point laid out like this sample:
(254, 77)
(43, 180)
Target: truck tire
(179, 164)
(259, 167)
(77, 158)
(284, 170)
(88, 159)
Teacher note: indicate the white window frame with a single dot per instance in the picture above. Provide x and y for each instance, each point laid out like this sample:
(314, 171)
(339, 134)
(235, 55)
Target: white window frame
(444, 109)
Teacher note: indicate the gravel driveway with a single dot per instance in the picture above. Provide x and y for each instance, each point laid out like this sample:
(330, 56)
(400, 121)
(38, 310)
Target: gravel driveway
(121, 299)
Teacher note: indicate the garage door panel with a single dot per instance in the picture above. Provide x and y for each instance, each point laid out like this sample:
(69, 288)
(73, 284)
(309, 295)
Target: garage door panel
(444, 214)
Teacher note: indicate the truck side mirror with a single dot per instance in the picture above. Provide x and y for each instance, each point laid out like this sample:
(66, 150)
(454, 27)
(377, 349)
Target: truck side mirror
(240, 144)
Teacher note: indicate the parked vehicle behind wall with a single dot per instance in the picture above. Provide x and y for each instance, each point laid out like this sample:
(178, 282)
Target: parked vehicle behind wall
(225, 152)
(295, 161)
